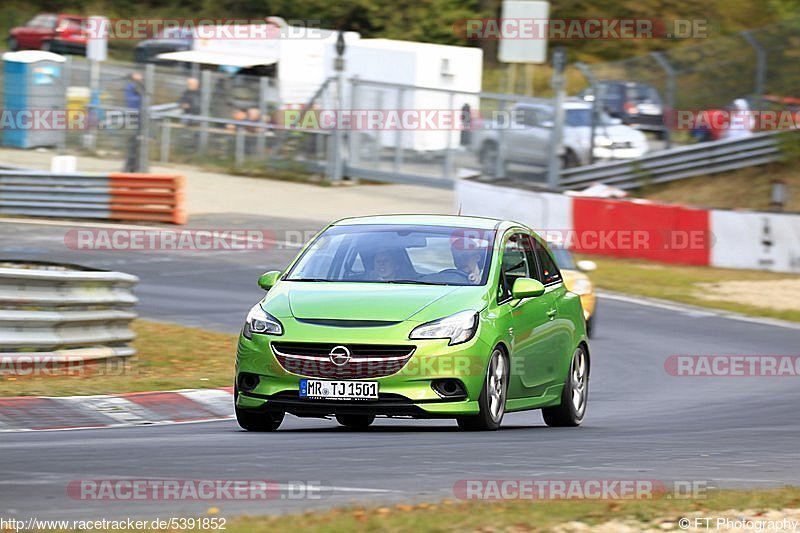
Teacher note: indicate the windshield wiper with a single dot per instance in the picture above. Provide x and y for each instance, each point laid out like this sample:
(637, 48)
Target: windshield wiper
(309, 279)
(411, 281)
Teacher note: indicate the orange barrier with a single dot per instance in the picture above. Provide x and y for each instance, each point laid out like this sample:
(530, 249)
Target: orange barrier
(150, 197)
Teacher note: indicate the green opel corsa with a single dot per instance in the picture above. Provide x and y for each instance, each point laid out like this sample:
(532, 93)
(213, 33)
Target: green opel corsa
(415, 316)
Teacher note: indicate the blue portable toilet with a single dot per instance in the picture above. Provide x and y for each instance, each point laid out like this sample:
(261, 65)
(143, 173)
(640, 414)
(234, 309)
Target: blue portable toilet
(34, 99)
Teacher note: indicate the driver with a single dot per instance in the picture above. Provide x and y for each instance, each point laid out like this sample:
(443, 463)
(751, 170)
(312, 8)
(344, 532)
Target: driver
(467, 256)
(385, 265)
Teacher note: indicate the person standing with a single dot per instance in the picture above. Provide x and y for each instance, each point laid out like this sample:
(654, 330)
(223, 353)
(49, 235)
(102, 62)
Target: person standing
(190, 99)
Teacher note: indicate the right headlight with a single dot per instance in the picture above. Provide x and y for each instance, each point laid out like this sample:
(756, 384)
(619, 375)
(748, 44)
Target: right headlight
(261, 322)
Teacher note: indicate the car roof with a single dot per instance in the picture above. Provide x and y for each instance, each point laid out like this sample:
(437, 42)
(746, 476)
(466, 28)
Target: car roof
(456, 221)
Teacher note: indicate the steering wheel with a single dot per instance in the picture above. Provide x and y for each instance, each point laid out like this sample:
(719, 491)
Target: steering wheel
(454, 271)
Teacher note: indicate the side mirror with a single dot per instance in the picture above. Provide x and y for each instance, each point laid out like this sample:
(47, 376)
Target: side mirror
(586, 265)
(527, 288)
(268, 279)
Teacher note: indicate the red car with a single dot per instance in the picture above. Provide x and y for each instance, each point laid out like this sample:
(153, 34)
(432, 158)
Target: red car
(55, 33)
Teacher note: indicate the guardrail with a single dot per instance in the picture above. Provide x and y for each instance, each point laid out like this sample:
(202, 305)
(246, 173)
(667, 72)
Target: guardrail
(678, 163)
(114, 196)
(56, 314)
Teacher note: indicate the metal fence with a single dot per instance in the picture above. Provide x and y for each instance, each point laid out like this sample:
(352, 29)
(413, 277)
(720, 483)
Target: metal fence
(239, 122)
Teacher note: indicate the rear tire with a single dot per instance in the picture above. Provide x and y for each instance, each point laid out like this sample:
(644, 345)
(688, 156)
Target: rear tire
(13, 44)
(355, 422)
(570, 160)
(492, 401)
(574, 396)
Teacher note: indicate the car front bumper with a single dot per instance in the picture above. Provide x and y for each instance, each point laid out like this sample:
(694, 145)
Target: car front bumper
(408, 392)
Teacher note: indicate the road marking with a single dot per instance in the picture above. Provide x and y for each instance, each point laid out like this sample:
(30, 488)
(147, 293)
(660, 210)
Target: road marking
(694, 311)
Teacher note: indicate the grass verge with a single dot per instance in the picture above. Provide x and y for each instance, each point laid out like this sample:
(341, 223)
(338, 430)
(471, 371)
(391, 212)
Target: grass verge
(168, 357)
(748, 188)
(682, 284)
(519, 516)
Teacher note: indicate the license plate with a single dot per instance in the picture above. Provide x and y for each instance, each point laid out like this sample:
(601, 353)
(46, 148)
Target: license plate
(338, 390)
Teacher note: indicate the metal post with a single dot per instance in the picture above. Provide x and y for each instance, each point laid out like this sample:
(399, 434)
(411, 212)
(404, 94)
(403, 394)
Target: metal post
(590, 77)
(263, 94)
(398, 135)
(166, 130)
(238, 154)
(557, 82)
(500, 168)
(338, 66)
(355, 135)
(449, 170)
(668, 113)
(94, 103)
(205, 107)
(144, 119)
(761, 64)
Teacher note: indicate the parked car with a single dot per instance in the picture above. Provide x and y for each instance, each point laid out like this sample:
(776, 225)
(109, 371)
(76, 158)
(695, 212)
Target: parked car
(635, 104)
(577, 281)
(415, 316)
(527, 139)
(63, 34)
(168, 40)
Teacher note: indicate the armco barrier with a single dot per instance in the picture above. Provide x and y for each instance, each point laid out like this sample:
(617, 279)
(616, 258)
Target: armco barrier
(115, 196)
(63, 314)
(645, 230)
(678, 163)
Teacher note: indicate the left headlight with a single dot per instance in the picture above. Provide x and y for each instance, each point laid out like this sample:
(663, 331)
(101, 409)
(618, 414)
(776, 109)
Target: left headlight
(602, 140)
(582, 286)
(459, 328)
(261, 322)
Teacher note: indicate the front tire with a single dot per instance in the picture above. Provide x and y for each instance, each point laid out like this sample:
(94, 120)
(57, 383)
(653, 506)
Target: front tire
(258, 421)
(574, 396)
(492, 401)
(355, 422)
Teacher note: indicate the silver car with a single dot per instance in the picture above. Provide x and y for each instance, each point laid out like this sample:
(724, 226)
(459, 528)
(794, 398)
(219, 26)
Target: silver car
(526, 140)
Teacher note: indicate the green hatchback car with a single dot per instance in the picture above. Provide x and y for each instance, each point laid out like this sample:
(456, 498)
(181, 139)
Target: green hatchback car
(418, 316)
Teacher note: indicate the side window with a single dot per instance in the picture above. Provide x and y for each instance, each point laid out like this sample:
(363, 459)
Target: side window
(517, 263)
(549, 270)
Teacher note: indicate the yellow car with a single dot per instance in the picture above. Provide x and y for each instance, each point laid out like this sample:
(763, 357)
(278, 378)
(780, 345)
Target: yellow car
(578, 282)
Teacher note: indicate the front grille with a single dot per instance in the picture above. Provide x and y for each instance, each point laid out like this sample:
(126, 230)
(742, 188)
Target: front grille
(366, 360)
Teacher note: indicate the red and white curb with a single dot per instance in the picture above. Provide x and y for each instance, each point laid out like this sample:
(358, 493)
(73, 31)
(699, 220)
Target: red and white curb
(33, 413)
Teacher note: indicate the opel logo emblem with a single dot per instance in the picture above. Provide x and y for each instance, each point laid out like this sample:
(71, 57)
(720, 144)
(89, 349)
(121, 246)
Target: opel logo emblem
(339, 355)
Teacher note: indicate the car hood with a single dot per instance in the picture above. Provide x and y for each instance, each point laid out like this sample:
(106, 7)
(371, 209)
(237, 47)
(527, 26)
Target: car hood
(622, 133)
(377, 301)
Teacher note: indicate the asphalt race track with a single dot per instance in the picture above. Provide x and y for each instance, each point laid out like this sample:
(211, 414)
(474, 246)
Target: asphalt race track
(642, 424)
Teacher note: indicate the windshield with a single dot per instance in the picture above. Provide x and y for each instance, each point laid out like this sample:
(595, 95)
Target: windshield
(563, 258)
(429, 255)
(583, 117)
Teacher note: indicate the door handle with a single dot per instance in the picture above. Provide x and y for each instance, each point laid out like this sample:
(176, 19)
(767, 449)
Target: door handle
(551, 314)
